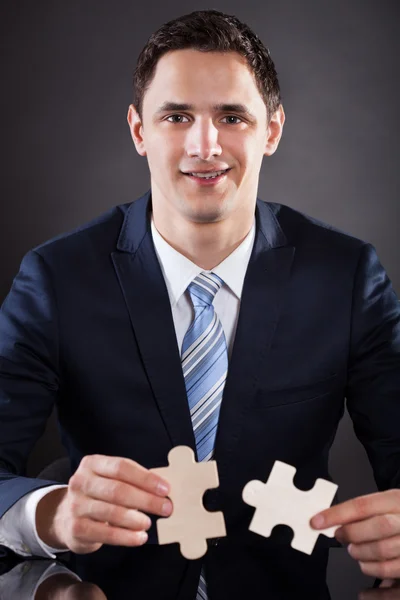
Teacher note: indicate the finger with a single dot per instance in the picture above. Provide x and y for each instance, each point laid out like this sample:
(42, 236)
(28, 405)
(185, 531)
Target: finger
(118, 516)
(86, 531)
(388, 569)
(120, 494)
(386, 549)
(370, 530)
(127, 470)
(358, 509)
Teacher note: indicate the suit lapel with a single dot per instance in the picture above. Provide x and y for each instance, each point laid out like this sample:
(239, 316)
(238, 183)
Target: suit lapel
(266, 277)
(147, 299)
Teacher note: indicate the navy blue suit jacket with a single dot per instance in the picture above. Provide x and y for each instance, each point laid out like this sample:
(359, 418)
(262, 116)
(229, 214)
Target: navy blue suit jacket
(87, 326)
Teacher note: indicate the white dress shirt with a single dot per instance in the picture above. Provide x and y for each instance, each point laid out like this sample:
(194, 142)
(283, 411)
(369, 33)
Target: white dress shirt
(18, 525)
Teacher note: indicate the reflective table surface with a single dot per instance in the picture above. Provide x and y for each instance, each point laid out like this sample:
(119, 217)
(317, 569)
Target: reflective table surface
(44, 579)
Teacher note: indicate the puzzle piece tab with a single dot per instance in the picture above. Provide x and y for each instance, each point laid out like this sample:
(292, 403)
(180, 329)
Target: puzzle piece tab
(190, 523)
(279, 502)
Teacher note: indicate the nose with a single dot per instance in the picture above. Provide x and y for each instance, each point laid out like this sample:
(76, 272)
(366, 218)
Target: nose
(202, 140)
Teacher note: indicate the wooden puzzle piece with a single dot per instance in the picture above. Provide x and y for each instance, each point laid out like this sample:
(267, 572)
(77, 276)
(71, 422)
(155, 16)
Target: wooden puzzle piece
(278, 501)
(190, 523)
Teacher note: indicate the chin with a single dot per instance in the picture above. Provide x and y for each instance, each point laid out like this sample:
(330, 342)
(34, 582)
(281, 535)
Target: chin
(200, 212)
(205, 214)
(206, 218)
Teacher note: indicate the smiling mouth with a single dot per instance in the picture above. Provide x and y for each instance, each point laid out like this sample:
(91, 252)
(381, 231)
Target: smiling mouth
(205, 177)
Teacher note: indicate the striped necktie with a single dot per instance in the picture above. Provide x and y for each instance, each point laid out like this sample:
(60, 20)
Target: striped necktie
(205, 365)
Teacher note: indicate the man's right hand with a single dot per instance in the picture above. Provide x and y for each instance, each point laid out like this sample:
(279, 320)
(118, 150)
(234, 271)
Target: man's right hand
(104, 503)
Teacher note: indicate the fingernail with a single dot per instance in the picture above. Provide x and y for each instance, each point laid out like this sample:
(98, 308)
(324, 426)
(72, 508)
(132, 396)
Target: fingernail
(363, 567)
(318, 521)
(162, 489)
(143, 537)
(349, 548)
(147, 524)
(166, 508)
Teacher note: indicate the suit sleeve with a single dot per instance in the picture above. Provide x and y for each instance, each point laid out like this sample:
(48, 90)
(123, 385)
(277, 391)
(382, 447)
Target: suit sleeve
(373, 383)
(29, 374)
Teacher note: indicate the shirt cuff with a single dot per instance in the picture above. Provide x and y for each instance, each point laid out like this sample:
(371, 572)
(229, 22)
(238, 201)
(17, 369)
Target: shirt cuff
(18, 526)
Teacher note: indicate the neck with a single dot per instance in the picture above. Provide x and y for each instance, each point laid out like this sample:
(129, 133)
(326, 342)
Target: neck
(205, 244)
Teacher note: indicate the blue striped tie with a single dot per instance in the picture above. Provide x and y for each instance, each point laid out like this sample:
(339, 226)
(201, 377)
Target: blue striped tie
(205, 366)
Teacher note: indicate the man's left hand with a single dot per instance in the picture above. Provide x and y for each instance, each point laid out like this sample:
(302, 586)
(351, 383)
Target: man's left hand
(371, 526)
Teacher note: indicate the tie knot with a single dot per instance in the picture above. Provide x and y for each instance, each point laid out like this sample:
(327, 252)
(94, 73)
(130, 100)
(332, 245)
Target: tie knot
(203, 288)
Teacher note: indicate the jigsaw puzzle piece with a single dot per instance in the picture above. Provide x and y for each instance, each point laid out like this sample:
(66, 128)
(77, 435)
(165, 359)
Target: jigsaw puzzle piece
(278, 501)
(190, 524)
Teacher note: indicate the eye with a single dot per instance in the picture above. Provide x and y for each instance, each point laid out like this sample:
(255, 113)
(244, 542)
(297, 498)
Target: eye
(172, 116)
(233, 117)
(182, 116)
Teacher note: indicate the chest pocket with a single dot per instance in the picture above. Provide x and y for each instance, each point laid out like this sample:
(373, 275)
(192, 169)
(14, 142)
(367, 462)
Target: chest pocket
(293, 394)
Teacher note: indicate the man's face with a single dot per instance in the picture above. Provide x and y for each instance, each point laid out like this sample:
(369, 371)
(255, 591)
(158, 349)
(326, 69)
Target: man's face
(203, 136)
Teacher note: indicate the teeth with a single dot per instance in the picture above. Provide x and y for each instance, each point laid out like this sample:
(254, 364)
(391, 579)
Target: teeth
(209, 175)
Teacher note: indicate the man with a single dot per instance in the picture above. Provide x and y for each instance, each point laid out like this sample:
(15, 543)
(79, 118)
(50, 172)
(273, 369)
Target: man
(131, 325)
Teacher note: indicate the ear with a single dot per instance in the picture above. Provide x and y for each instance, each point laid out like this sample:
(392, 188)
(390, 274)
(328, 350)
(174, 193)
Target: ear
(136, 130)
(274, 132)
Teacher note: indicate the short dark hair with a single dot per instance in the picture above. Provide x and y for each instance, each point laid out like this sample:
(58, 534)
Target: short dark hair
(208, 31)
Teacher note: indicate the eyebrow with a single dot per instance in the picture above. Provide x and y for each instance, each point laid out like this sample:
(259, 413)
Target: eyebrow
(237, 108)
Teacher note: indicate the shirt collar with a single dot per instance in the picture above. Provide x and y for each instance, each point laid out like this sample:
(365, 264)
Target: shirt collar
(179, 271)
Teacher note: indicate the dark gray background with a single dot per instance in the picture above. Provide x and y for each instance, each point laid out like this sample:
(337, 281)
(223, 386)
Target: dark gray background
(67, 156)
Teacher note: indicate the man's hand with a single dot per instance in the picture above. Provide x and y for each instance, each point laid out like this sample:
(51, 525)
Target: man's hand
(103, 504)
(371, 526)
